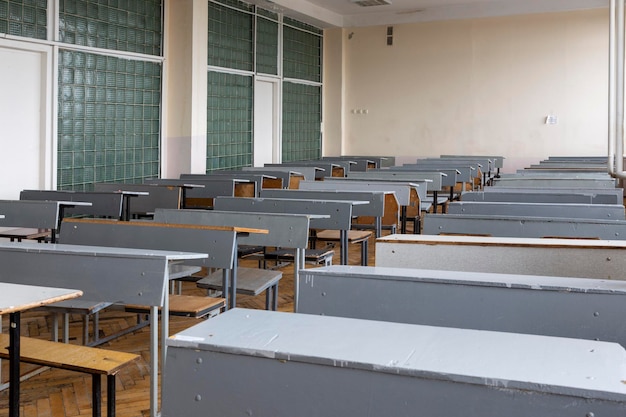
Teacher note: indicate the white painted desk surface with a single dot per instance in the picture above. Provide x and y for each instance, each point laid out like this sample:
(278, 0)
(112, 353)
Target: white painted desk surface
(16, 297)
(505, 360)
(483, 279)
(502, 241)
(99, 251)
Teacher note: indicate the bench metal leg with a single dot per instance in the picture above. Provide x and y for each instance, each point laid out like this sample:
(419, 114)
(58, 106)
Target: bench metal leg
(364, 252)
(403, 220)
(110, 395)
(343, 250)
(96, 395)
(271, 298)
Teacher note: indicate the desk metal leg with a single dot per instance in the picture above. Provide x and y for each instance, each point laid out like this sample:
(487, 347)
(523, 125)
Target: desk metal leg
(14, 364)
(232, 294)
(225, 287)
(343, 254)
(364, 252)
(154, 361)
(298, 263)
(403, 220)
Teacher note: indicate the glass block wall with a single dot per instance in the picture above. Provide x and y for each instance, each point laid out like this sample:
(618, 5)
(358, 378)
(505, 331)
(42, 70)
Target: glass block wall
(266, 46)
(28, 18)
(231, 43)
(109, 107)
(302, 102)
(108, 120)
(302, 115)
(302, 52)
(233, 40)
(230, 104)
(121, 25)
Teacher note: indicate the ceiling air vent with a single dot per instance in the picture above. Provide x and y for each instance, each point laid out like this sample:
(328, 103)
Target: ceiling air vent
(367, 3)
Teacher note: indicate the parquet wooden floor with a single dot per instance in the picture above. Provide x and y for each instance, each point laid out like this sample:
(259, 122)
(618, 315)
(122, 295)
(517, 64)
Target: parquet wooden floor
(57, 393)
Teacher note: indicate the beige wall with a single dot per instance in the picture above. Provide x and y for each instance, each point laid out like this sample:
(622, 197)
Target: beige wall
(482, 86)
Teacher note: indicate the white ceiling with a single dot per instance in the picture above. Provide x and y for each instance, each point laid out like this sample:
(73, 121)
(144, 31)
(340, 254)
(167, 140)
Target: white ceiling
(345, 13)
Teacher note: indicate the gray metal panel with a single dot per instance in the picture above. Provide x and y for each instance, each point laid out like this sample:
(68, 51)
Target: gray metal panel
(546, 174)
(307, 171)
(204, 187)
(158, 196)
(594, 259)
(240, 175)
(587, 309)
(473, 169)
(340, 212)
(449, 180)
(284, 230)
(32, 214)
(283, 175)
(103, 204)
(387, 175)
(529, 197)
(514, 226)
(402, 191)
(600, 195)
(218, 244)
(361, 164)
(554, 183)
(420, 185)
(486, 164)
(464, 174)
(326, 168)
(375, 199)
(330, 366)
(498, 160)
(572, 211)
(105, 274)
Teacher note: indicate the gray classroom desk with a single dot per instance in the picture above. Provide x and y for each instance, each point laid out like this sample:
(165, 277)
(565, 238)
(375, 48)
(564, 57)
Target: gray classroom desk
(512, 197)
(284, 364)
(569, 210)
(103, 204)
(600, 195)
(529, 227)
(284, 230)
(291, 178)
(365, 203)
(15, 298)
(120, 275)
(388, 175)
(310, 173)
(408, 194)
(262, 180)
(380, 161)
(340, 211)
(485, 167)
(148, 197)
(323, 169)
(589, 309)
(578, 258)
(555, 182)
(361, 164)
(35, 214)
(497, 159)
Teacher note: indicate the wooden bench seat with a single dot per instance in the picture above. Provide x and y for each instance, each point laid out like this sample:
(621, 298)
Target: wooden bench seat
(96, 362)
(185, 306)
(250, 281)
(354, 236)
(25, 233)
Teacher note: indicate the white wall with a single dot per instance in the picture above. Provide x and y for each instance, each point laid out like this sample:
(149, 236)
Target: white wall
(25, 119)
(482, 86)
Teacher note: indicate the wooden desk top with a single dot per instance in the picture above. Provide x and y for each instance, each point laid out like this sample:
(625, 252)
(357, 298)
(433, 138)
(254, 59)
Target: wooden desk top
(17, 297)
